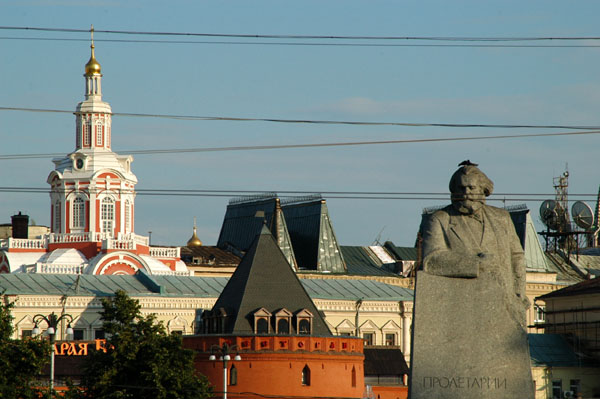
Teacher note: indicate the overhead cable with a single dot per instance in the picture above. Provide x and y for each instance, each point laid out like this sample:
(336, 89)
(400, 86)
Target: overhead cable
(315, 122)
(312, 145)
(316, 37)
(312, 44)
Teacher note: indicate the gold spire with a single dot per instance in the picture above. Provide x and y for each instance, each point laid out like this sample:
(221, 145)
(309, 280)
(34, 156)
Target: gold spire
(194, 241)
(92, 67)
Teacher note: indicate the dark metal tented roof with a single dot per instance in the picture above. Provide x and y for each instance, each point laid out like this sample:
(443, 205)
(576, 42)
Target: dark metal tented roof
(315, 244)
(384, 362)
(244, 219)
(264, 280)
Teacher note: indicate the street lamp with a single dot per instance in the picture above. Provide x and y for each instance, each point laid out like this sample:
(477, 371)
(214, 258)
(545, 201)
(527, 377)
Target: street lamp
(225, 356)
(52, 321)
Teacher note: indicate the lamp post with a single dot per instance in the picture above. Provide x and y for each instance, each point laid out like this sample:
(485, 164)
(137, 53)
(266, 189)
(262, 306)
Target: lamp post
(225, 356)
(52, 321)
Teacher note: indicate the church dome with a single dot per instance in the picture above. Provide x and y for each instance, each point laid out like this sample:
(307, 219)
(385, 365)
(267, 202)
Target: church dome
(93, 66)
(194, 241)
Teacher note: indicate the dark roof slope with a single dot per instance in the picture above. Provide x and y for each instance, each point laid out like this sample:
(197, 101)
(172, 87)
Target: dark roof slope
(264, 279)
(244, 219)
(384, 361)
(311, 231)
(209, 255)
(584, 288)
(360, 262)
(553, 350)
(401, 253)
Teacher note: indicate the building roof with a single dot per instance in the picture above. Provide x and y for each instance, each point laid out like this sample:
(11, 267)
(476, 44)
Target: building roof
(209, 255)
(313, 238)
(386, 361)
(401, 253)
(586, 287)
(184, 286)
(264, 279)
(244, 219)
(356, 289)
(363, 261)
(552, 350)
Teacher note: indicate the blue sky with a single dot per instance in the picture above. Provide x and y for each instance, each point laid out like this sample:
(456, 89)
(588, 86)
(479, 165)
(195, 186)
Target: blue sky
(546, 86)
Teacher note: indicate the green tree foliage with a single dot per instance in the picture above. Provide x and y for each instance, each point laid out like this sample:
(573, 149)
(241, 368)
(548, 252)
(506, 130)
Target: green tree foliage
(142, 360)
(21, 361)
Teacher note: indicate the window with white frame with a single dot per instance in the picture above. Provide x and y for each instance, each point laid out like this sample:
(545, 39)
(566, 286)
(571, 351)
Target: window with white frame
(99, 134)
(78, 213)
(107, 215)
(540, 313)
(87, 134)
(127, 216)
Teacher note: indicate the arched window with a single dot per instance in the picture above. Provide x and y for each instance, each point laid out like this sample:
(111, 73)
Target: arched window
(353, 377)
(107, 215)
(262, 326)
(127, 216)
(233, 376)
(283, 326)
(304, 327)
(57, 217)
(306, 375)
(78, 213)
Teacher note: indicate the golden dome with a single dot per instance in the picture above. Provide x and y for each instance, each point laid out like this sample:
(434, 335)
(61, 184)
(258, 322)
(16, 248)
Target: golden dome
(93, 66)
(194, 241)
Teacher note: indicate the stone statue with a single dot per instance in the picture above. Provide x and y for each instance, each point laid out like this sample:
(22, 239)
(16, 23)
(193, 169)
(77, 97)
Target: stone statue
(469, 337)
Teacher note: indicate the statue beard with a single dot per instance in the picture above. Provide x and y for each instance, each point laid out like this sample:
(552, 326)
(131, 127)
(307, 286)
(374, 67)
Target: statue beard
(468, 206)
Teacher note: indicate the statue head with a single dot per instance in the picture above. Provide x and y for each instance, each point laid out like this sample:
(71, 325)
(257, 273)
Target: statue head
(468, 187)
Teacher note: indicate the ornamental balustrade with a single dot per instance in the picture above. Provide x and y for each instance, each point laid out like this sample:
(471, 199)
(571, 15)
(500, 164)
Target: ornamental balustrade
(171, 273)
(58, 269)
(23, 243)
(118, 244)
(164, 252)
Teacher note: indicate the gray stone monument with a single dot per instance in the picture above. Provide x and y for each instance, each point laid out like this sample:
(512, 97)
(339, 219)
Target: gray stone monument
(469, 338)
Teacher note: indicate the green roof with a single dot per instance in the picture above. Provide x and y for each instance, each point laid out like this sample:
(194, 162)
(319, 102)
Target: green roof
(185, 286)
(401, 253)
(360, 262)
(551, 350)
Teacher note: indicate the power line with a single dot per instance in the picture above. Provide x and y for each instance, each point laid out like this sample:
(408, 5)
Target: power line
(361, 195)
(313, 44)
(312, 121)
(313, 145)
(313, 37)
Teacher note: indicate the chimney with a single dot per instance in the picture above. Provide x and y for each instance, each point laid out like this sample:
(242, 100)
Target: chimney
(20, 226)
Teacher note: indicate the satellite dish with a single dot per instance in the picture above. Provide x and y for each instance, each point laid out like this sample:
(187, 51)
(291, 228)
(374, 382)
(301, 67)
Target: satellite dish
(582, 215)
(550, 213)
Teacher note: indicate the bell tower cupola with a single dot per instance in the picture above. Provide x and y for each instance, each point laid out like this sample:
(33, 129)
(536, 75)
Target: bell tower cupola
(93, 115)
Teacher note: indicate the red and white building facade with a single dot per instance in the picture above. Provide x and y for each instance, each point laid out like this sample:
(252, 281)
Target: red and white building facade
(92, 206)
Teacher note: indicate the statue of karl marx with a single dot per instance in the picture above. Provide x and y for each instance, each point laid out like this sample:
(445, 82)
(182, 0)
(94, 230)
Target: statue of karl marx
(469, 338)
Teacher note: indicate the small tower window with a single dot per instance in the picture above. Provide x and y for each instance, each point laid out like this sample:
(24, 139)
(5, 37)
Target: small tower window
(78, 213)
(99, 134)
(57, 217)
(306, 375)
(87, 134)
(283, 321)
(304, 322)
(78, 134)
(127, 216)
(262, 318)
